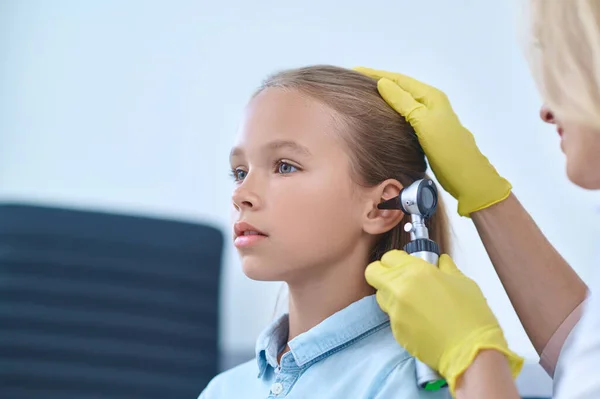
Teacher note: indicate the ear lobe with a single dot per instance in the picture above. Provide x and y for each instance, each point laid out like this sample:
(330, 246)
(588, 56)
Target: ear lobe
(379, 221)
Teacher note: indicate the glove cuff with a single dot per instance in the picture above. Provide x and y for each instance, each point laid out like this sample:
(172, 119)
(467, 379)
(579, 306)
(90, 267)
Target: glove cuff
(489, 197)
(455, 362)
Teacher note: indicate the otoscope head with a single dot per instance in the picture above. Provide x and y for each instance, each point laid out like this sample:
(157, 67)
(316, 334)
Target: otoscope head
(420, 198)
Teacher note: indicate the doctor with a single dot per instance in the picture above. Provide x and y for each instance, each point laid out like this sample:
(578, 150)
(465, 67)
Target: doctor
(440, 315)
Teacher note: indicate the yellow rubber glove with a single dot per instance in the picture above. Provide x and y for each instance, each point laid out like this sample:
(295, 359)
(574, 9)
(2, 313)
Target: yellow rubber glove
(458, 164)
(438, 315)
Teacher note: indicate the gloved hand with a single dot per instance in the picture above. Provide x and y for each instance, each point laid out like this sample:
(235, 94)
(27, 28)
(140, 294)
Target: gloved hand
(438, 315)
(458, 164)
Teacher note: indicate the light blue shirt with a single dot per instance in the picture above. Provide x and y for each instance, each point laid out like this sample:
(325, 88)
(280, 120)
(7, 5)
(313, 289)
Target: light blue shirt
(351, 354)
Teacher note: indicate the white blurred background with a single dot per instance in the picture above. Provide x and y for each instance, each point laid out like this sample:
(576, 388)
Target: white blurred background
(133, 105)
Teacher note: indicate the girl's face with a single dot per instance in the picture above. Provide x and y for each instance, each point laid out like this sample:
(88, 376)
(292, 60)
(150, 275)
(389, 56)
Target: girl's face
(294, 188)
(581, 146)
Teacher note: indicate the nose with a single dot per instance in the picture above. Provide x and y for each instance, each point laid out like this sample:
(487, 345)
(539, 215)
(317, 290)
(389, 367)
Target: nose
(546, 115)
(243, 198)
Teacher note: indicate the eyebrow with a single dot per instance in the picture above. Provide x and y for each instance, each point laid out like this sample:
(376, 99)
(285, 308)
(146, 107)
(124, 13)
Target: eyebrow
(276, 145)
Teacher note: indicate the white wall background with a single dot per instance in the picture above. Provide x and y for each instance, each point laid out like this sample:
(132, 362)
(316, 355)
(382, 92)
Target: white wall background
(132, 106)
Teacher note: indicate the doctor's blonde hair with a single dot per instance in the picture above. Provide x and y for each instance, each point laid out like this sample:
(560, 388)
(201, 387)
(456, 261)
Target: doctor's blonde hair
(563, 51)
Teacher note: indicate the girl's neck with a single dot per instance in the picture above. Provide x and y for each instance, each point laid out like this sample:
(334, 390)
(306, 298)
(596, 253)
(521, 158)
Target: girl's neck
(312, 301)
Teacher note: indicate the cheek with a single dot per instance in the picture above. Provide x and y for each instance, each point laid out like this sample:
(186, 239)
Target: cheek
(315, 213)
(312, 222)
(583, 164)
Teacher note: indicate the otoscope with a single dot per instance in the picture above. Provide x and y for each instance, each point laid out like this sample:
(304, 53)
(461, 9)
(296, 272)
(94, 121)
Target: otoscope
(420, 200)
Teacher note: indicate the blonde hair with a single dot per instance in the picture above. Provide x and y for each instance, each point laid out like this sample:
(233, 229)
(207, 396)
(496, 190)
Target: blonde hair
(564, 55)
(381, 144)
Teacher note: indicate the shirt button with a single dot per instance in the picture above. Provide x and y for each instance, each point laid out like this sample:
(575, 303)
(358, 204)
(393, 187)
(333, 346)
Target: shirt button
(277, 388)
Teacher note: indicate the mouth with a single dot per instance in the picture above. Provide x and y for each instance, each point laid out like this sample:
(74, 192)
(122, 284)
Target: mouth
(560, 131)
(246, 235)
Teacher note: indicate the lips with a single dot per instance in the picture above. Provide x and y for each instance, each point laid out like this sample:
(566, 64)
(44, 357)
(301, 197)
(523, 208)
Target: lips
(241, 229)
(560, 131)
(247, 236)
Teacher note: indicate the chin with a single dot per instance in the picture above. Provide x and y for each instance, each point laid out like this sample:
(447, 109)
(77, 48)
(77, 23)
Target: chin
(258, 270)
(583, 174)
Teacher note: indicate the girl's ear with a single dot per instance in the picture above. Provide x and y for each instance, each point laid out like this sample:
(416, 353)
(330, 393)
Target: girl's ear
(378, 221)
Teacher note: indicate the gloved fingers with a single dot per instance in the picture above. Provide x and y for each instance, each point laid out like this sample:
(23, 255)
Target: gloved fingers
(382, 301)
(376, 274)
(394, 258)
(399, 263)
(393, 298)
(447, 265)
(416, 88)
(390, 268)
(401, 100)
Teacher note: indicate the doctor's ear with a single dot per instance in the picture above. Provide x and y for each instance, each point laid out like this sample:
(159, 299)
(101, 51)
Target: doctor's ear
(378, 221)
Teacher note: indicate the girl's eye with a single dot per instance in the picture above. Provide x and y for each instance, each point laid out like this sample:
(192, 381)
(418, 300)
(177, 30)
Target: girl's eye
(238, 174)
(285, 168)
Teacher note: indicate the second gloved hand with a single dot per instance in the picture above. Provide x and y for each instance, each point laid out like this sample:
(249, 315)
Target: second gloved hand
(438, 315)
(458, 164)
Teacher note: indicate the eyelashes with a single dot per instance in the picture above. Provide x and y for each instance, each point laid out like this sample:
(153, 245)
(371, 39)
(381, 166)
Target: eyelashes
(235, 174)
(280, 166)
(285, 168)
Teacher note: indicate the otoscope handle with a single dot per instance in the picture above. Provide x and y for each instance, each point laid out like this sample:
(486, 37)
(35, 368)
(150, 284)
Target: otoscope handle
(424, 248)
(429, 251)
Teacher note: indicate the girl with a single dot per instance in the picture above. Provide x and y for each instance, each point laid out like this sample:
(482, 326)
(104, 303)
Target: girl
(317, 151)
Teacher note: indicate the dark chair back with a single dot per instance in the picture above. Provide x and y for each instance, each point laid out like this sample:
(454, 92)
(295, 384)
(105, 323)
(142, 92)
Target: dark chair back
(99, 305)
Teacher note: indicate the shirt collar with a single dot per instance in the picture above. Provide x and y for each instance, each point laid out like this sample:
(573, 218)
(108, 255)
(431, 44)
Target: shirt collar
(339, 329)
(271, 342)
